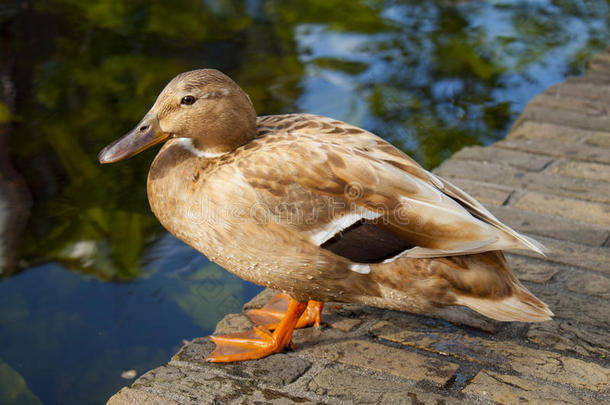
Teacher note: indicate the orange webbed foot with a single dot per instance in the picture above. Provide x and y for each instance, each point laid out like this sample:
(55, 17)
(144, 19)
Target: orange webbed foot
(258, 342)
(271, 314)
(312, 315)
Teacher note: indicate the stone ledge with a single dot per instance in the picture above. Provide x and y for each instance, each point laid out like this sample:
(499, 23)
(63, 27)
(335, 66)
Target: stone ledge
(385, 359)
(568, 336)
(591, 107)
(520, 160)
(534, 270)
(578, 88)
(503, 355)
(363, 389)
(570, 117)
(533, 130)
(280, 370)
(129, 396)
(577, 307)
(574, 254)
(582, 170)
(509, 389)
(590, 190)
(601, 139)
(595, 214)
(591, 284)
(189, 385)
(551, 147)
(525, 217)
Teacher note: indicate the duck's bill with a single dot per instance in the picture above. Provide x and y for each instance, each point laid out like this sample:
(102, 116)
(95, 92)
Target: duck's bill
(146, 134)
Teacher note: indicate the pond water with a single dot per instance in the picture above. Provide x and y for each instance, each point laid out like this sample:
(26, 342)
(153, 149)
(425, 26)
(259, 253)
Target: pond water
(91, 284)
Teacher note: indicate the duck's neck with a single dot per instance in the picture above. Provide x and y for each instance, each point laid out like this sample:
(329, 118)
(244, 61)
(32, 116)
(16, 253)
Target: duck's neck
(189, 145)
(174, 185)
(234, 125)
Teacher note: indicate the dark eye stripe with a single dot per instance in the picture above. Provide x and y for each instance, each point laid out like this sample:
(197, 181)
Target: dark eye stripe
(188, 100)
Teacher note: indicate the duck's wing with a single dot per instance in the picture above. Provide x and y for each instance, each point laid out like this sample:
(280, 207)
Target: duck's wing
(385, 205)
(474, 207)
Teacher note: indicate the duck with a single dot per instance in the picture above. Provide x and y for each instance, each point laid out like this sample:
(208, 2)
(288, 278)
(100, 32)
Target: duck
(319, 210)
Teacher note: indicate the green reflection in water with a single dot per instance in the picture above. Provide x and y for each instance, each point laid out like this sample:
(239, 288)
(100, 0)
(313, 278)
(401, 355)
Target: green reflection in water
(430, 77)
(13, 388)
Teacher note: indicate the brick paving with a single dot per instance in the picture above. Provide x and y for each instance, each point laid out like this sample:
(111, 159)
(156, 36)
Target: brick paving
(550, 178)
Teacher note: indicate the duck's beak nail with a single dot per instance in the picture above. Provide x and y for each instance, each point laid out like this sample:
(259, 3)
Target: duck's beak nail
(146, 134)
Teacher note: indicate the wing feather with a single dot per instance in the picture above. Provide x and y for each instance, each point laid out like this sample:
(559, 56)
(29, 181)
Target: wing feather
(356, 175)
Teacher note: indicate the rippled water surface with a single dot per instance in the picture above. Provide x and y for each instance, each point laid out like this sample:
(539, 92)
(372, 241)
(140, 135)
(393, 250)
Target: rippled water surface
(91, 284)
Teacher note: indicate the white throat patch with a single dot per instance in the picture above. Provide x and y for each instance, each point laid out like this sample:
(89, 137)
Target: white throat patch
(187, 143)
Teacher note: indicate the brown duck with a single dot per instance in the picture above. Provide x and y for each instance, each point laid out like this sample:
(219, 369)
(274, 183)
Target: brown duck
(318, 209)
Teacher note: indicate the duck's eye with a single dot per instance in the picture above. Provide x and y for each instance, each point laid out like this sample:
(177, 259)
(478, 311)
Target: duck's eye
(188, 100)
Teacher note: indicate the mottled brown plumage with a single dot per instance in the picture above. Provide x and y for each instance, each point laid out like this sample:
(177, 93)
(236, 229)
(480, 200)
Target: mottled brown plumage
(319, 209)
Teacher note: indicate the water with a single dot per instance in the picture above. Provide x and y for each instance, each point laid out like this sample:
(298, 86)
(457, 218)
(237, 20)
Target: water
(92, 285)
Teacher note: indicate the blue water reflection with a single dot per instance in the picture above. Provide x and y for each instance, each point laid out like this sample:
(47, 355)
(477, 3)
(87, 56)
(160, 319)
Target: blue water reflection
(72, 335)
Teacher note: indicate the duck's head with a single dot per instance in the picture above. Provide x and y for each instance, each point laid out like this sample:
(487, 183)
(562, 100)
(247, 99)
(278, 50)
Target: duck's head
(206, 110)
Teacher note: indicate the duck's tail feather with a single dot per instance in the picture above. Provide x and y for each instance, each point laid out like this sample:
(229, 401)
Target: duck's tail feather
(522, 306)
